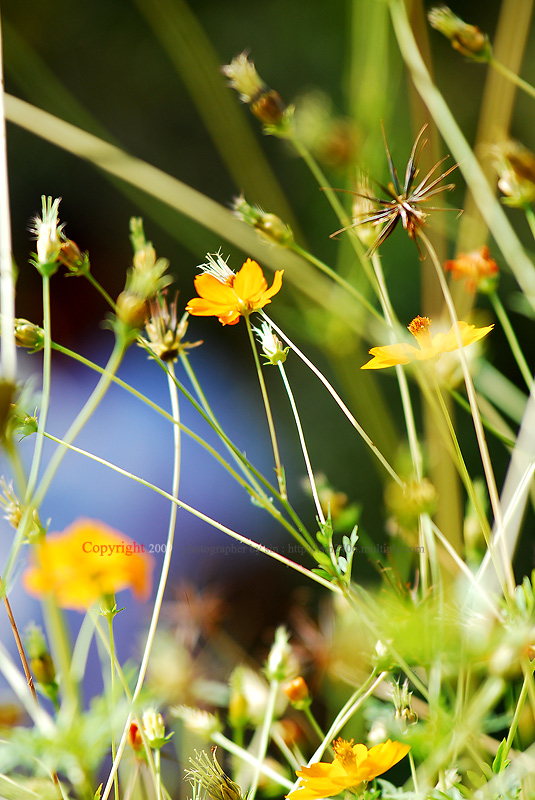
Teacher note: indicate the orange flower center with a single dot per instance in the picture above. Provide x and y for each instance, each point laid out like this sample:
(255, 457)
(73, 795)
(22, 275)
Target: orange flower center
(343, 751)
(419, 328)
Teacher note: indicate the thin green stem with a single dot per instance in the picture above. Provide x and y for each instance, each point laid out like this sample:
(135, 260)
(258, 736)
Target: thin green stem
(110, 616)
(314, 723)
(158, 766)
(463, 471)
(269, 416)
(530, 216)
(7, 283)
(512, 76)
(488, 425)
(233, 534)
(93, 281)
(61, 652)
(269, 713)
(338, 279)
(238, 458)
(391, 318)
(75, 428)
(207, 415)
(335, 204)
(348, 710)
(360, 430)
(413, 773)
(516, 350)
(83, 417)
(476, 417)
(299, 427)
(231, 747)
(528, 669)
(45, 395)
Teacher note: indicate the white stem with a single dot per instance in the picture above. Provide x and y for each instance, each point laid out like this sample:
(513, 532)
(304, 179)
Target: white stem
(7, 289)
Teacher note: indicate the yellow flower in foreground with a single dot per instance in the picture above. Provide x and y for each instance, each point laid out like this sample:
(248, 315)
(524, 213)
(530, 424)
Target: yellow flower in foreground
(353, 764)
(429, 347)
(228, 295)
(86, 562)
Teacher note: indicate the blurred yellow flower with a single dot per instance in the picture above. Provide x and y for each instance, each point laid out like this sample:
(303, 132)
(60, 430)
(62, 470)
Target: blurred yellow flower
(429, 347)
(353, 764)
(228, 295)
(85, 562)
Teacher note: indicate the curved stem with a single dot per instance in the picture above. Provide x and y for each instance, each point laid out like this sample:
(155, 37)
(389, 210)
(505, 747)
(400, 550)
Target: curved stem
(512, 76)
(7, 283)
(269, 713)
(233, 534)
(310, 473)
(360, 430)
(470, 391)
(83, 416)
(110, 616)
(338, 279)
(45, 396)
(269, 416)
(516, 350)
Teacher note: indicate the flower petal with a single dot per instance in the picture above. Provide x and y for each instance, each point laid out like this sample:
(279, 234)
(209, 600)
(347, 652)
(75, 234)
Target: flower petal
(382, 757)
(211, 288)
(249, 283)
(447, 342)
(390, 355)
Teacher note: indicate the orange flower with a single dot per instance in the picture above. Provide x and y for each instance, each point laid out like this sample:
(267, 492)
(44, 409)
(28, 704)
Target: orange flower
(85, 562)
(474, 267)
(393, 354)
(353, 764)
(228, 295)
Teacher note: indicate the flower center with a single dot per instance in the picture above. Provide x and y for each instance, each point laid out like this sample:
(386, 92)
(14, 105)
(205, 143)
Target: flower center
(419, 328)
(343, 751)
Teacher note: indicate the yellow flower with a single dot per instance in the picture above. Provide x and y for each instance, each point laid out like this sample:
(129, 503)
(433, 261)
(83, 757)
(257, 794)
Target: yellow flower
(228, 295)
(353, 764)
(85, 562)
(429, 347)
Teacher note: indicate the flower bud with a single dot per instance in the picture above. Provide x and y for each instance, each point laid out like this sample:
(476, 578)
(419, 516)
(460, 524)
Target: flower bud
(466, 39)
(279, 665)
(515, 165)
(72, 257)
(265, 103)
(200, 722)
(48, 233)
(154, 729)
(269, 226)
(29, 335)
(271, 346)
(134, 737)
(297, 693)
(132, 310)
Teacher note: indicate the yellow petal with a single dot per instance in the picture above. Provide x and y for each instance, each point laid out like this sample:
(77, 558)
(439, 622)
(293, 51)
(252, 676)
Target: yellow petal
(447, 342)
(249, 283)
(390, 355)
(382, 757)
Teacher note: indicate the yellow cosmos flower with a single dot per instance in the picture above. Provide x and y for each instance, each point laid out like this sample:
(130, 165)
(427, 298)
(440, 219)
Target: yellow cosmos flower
(85, 562)
(228, 295)
(429, 347)
(353, 764)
